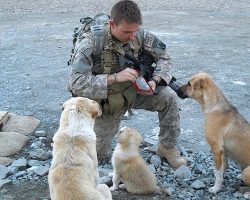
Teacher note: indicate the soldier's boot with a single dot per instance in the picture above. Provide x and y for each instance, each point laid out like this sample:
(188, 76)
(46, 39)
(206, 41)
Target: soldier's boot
(172, 155)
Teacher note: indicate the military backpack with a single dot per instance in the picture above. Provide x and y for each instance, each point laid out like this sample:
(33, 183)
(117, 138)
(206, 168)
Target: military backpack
(95, 24)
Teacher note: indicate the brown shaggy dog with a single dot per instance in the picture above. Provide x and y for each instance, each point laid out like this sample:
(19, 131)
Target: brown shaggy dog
(73, 174)
(130, 168)
(226, 131)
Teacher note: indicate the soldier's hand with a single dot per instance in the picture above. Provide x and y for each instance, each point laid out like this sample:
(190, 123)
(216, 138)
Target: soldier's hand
(127, 74)
(152, 85)
(150, 92)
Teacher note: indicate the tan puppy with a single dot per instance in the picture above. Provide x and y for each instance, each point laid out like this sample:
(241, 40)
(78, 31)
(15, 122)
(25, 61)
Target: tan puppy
(226, 131)
(130, 168)
(73, 173)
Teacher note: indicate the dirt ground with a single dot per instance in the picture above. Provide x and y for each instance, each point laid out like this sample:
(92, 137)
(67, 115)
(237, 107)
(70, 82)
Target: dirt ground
(34, 191)
(35, 39)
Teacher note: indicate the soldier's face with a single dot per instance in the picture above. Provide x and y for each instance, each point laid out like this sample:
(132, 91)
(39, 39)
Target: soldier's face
(124, 31)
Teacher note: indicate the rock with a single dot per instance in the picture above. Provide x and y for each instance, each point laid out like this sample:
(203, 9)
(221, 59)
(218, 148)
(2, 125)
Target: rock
(198, 185)
(183, 172)
(237, 195)
(183, 152)
(40, 154)
(155, 160)
(105, 180)
(4, 171)
(36, 144)
(152, 168)
(11, 143)
(152, 148)
(20, 174)
(21, 124)
(198, 168)
(21, 164)
(244, 189)
(39, 170)
(150, 141)
(40, 134)
(32, 163)
(4, 116)
(43, 139)
(201, 156)
(4, 182)
(13, 170)
(5, 161)
(104, 171)
(3, 191)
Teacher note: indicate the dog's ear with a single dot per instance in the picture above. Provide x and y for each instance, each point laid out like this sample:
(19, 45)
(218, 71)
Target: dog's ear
(96, 111)
(199, 84)
(123, 138)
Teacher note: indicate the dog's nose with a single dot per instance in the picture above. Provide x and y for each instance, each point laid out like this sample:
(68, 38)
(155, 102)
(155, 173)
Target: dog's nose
(181, 94)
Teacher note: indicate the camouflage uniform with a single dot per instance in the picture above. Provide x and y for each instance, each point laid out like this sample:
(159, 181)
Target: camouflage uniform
(83, 82)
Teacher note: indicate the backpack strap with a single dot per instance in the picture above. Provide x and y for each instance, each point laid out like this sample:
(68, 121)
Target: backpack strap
(100, 21)
(106, 55)
(99, 38)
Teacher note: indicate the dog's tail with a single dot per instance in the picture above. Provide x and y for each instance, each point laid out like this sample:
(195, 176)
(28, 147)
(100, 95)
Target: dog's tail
(164, 191)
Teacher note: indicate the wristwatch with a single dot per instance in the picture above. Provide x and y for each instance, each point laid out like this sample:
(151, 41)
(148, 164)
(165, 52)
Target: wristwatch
(156, 82)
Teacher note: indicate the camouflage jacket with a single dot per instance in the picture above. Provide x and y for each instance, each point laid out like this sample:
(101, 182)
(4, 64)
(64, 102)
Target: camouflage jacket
(83, 82)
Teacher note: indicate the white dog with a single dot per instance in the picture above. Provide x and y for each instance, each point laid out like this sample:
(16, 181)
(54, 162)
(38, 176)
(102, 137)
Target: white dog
(130, 168)
(73, 174)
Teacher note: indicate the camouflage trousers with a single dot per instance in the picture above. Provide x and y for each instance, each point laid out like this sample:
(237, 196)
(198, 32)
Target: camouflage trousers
(164, 103)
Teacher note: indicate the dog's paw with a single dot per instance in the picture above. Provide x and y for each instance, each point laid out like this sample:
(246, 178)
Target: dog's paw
(110, 174)
(122, 186)
(247, 195)
(113, 188)
(214, 189)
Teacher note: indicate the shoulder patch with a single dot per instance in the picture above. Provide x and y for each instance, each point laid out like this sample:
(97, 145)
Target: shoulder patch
(161, 45)
(149, 40)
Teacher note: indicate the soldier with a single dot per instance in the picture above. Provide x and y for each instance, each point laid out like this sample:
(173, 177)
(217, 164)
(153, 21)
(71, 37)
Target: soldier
(99, 73)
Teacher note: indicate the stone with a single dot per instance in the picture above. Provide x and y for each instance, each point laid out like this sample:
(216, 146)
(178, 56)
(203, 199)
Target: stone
(40, 170)
(3, 118)
(152, 168)
(36, 144)
(32, 163)
(198, 168)
(5, 161)
(40, 133)
(155, 160)
(244, 189)
(104, 171)
(40, 154)
(3, 191)
(25, 125)
(4, 182)
(197, 184)
(150, 141)
(20, 174)
(151, 148)
(105, 180)
(11, 143)
(20, 163)
(4, 171)
(183, 172)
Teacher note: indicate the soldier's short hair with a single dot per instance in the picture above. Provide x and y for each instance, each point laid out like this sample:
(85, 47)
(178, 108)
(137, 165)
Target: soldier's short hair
(126, 10)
